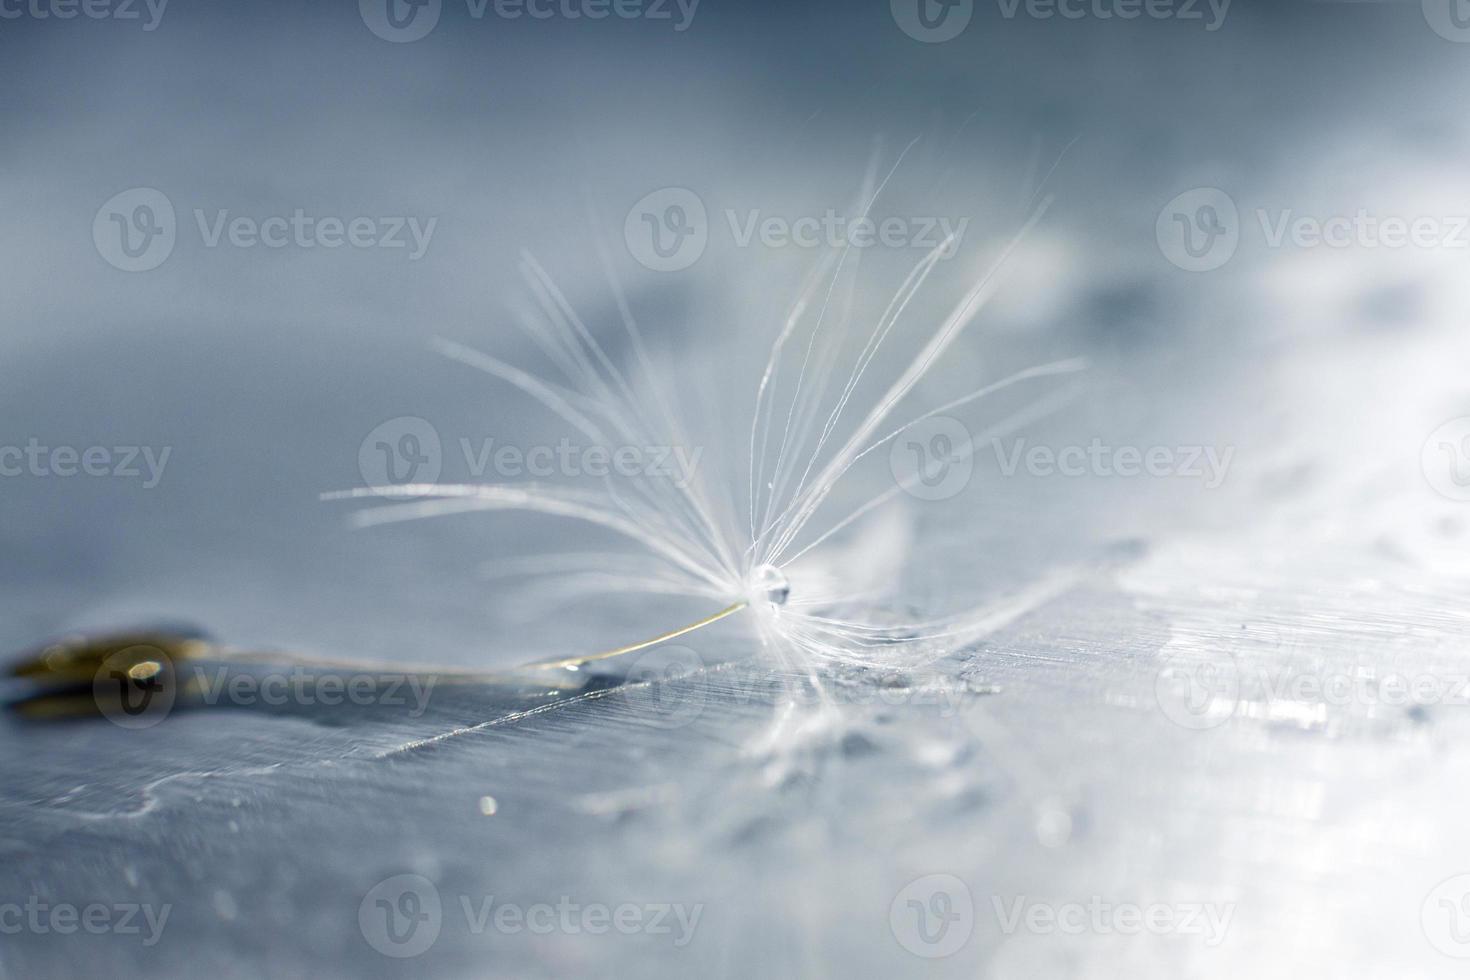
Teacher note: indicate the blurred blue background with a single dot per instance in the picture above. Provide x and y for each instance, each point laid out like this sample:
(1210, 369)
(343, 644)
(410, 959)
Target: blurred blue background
(1328, 369)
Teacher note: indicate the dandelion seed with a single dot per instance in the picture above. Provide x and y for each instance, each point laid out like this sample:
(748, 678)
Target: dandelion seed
(785, 572)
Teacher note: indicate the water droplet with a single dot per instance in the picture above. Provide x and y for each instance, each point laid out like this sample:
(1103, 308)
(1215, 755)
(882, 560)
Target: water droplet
(769, 583)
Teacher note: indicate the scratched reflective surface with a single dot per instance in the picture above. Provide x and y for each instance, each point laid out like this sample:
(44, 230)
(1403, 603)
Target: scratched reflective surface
(1058, 761)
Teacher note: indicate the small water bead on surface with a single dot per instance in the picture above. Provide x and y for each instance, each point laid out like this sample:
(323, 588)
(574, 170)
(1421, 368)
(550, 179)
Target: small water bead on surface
(769, 583)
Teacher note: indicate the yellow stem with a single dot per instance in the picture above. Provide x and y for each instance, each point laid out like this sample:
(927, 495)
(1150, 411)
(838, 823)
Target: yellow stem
(729, 610)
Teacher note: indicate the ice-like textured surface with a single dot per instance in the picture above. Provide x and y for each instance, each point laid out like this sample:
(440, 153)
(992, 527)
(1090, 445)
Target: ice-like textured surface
(1047, 762)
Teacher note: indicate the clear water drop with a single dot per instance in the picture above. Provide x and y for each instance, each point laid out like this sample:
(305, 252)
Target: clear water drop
(769, 583)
